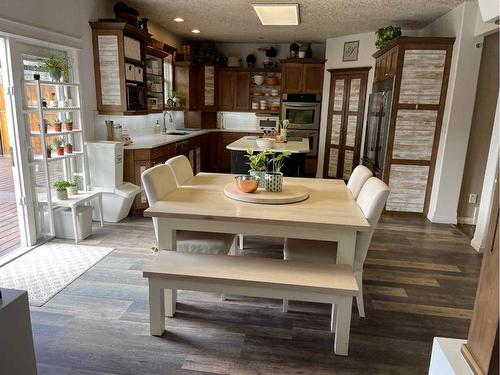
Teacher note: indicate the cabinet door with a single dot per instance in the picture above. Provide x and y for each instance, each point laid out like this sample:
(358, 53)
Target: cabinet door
(214, 150)
(181, 79)
(224, 153)
(291, 77)
(208, 84)
(313, 78)
(226, 85)
(194, 89)
(242, 91)
(141, 202)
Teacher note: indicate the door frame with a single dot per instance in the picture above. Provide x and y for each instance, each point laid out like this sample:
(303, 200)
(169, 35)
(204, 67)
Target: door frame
(349, 73)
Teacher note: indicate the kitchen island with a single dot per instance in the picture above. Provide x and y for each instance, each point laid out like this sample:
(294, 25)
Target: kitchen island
(294, 164)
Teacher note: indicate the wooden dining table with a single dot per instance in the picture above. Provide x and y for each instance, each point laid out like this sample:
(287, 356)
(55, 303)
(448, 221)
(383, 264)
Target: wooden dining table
(329, 214)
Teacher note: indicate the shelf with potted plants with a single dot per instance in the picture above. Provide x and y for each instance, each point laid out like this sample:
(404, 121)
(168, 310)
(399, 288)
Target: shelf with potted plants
(54, 121)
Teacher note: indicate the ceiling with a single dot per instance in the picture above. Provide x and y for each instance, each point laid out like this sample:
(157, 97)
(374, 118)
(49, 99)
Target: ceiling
(236, 21)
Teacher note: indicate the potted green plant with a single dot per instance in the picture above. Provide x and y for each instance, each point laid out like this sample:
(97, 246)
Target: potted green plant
(57, 66)
(176, 98)
(274, 179)
(74, 184)
(62, 189)
(49, 151)
(57, 144)
(57, 125)
(386, 34)
(68, 147)
(258, 165)
(68, 124)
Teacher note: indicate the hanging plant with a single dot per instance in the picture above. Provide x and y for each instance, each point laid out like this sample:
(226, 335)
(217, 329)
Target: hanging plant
(386, 34)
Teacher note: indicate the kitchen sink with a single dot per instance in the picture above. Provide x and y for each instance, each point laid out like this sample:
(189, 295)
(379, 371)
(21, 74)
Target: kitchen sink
(177, 133)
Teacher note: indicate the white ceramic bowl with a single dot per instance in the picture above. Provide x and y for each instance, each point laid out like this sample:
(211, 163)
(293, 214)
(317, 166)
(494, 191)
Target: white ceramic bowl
(265, 142)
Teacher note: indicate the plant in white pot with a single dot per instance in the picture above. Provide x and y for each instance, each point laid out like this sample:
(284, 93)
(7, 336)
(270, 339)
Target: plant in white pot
(258, 165)
(274, 179)
(74, 183)
(62, 189)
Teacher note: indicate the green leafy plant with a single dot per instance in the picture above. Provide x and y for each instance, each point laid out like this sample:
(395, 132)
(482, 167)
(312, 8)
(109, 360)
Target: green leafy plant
(386, 34)
(75, 181)
(56, 121)
(57, 142)
(257, 162)
(61, 184)
(49, 148)
(57, 63)
(174, 95)
(68, 120)
(278, 161)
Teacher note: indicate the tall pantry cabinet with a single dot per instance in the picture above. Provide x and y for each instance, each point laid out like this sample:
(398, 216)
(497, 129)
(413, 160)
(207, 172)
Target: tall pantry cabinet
(419, 68)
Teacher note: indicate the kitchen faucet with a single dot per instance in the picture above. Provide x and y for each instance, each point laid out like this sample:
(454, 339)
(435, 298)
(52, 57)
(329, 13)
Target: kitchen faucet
(170, 119)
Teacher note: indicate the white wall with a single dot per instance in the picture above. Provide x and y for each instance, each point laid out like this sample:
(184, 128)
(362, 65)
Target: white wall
(333, 55)
(460, 23)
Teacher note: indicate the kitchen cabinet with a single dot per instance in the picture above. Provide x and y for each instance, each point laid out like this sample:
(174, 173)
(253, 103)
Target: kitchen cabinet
(199, 153)
(208, 92)
(302, 76)
(234, 90)
(224, 153)
(155, 80)
(187, 84)
(386, 64)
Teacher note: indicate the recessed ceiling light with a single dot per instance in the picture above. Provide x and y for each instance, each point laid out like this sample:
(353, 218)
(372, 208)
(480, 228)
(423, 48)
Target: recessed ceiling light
(178, 19)
(277, 14)
(195, 31)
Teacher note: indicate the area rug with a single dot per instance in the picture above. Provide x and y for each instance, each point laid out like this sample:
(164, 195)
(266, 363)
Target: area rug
(49, 268)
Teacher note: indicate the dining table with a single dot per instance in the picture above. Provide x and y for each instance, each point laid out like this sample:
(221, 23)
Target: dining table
(330, 213)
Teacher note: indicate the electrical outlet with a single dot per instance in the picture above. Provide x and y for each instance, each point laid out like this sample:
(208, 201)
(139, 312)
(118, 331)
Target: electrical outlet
(472, 198)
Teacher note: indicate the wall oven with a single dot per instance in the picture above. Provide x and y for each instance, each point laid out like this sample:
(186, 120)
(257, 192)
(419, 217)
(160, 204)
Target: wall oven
(136, 97)
(311, 135)
(303, 111)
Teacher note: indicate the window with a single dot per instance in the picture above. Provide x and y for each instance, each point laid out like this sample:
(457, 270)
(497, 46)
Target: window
(168, 73)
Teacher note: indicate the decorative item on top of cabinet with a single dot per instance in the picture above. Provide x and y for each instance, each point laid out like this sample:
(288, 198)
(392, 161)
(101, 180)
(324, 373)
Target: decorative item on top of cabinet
(302, 76)
(119, 51)
(420, 68)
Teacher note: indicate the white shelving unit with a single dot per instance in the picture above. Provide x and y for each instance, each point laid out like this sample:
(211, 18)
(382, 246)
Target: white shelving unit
(73, 164)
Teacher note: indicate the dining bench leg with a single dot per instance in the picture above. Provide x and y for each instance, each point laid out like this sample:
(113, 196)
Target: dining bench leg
(156, 309)
(170, 301)
(342, 325)
(333, 320)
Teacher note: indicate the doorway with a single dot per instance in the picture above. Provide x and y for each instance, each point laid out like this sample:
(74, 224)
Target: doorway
(346, 110)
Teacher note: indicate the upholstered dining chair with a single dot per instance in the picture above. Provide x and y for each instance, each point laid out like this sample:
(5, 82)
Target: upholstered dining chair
(181, 167)
(159, 181)
(372, 199)
(358, 178)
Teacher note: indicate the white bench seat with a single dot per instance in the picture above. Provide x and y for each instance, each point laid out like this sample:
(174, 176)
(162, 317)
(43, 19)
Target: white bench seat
(251, 276)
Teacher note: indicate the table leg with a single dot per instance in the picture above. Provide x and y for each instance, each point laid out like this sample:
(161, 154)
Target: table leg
(333, 318)
(156, 309)
(101, 214)
(346, 246)
(342, 325)
(167, 240)
(75, 224)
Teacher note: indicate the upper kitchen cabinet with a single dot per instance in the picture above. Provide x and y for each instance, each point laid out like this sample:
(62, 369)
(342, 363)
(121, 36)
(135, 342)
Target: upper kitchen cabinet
(187, 85)
(386, 64)
(208, 94)
(234, 90)
(119, 62)
(155, 79)
(302, 76)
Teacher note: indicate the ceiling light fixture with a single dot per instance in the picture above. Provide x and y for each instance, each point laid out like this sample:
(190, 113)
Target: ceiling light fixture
(195, 31)
(277, 14)
(178, 19)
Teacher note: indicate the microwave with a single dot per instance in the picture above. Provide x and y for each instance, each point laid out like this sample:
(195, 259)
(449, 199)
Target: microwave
(136, 97)
(267, 122)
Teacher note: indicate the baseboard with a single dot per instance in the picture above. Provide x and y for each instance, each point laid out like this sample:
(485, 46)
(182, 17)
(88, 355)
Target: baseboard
(466, 220)
(476, 245)
(442, 219)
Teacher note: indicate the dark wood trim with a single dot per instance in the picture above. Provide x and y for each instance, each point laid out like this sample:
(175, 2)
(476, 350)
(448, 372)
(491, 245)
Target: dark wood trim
(115, 24)
(303, 61)
(358, 70)
(411, 162)
(417, 107)
(155, 52)
(169, 49)
(250, 70)
(415, 42)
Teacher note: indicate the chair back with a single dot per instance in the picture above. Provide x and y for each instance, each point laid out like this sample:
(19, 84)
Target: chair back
(372, 199)
(358, 178)
(181, 167)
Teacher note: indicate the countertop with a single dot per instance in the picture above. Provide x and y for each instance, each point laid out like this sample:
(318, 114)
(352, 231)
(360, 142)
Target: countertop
(157, 140)
(295, 147)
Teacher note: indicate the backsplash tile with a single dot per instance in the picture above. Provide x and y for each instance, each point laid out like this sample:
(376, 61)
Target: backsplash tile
(237, 120)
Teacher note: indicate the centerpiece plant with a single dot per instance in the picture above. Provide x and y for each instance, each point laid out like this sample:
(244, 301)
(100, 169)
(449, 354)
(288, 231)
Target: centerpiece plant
(274, 179)
(258, 164)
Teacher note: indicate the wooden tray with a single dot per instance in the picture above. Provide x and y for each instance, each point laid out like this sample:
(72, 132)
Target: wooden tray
(290, 194)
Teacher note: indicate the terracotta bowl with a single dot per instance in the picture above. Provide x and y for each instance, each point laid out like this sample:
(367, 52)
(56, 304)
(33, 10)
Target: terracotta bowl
(247, 184)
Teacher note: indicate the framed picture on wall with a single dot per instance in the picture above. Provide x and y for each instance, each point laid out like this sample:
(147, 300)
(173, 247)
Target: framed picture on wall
(351, 50)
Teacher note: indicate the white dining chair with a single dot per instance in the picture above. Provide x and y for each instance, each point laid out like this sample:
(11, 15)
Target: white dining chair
(159, 181)
(359, 176)
(372, 199)
(181, 167)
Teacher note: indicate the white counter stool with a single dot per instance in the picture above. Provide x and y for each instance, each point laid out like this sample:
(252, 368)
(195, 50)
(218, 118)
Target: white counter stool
(359, 176)
(158, 182)
(371, 200)
(181, 167)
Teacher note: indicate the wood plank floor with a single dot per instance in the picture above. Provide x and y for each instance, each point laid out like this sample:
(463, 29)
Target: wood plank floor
(9, 224)
(420, 283)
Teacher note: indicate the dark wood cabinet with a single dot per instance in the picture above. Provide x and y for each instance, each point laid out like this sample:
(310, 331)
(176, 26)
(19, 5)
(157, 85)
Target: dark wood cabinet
(234, 90)
(224, 153)
(187, 85)
(386, 65)
(302, 76)
(208, 88)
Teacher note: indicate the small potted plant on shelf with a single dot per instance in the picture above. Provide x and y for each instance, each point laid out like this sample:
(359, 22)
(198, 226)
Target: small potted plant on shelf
(57, 66)
(49, 151)
(258, 165)
(57, 125)
(62, 189)
(74, 183)
(174, 95)
(274, 179)
(68, 147)
(57, 144)
(68, 124)
(52, 100)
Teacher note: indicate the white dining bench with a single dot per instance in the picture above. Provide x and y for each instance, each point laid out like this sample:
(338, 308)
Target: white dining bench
(251, 276)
